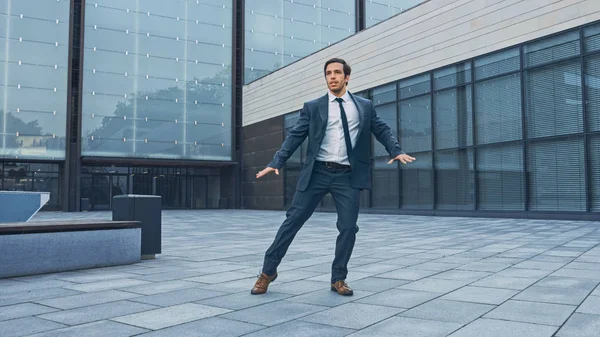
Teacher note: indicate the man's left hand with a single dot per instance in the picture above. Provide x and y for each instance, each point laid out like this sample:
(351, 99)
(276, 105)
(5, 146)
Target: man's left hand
(403, 158)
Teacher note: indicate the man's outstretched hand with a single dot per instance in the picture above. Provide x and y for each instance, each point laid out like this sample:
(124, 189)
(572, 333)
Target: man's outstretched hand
(265, 171)
(403, 158)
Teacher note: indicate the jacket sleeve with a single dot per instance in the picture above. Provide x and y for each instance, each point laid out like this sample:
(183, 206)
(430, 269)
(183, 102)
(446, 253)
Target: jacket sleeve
(295, 137)
(384, 135)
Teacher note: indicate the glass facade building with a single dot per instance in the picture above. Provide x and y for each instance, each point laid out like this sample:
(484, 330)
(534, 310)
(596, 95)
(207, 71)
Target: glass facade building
(513, 130)
(278, 32)
(157, 79)
(106, 97)
(34, 69)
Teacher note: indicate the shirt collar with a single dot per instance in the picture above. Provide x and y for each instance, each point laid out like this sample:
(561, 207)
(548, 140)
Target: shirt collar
(345, 97)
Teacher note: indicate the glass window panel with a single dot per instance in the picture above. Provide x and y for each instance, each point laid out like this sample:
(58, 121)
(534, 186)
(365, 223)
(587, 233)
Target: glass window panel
(384, 94)
(380, 10)
(499, 63)
(592, 38)
(592, 88)
(452, 76)
(33, 79)
(552, 49)
(453, 118)
(594, 153)
(166, 89)
(557, 175)
(15, 176)
(501, 178)
(415, 86)
(417, 182)
(455, 179)
(498, 114)
(386, 186)
(280, 32)
(553, 100)
(387, 113)
(415, 124)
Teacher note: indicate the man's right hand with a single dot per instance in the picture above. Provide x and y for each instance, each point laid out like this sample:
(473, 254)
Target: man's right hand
(265, 171)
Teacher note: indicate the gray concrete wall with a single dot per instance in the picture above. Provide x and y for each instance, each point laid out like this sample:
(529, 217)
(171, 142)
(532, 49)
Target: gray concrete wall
(37, 253)
(429, 36)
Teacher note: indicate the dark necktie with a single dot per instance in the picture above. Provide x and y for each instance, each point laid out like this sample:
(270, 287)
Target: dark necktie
(346, 129)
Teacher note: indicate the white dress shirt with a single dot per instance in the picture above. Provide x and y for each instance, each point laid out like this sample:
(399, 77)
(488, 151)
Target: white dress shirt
(333, 147)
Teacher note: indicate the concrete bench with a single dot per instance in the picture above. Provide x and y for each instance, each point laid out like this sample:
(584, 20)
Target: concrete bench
(30, 248)
(17, 206)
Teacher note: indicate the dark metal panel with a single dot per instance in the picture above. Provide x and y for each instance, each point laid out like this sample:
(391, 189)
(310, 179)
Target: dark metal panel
(72, 168)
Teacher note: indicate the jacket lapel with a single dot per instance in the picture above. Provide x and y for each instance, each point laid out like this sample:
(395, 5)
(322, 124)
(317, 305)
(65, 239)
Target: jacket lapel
(361, 114)
(323, 113)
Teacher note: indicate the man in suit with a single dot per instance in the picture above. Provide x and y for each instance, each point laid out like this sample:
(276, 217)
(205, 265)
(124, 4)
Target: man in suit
(338, 161)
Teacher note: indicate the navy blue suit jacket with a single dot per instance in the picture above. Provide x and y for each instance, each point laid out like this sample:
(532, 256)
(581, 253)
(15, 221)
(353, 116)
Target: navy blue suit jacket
(312, 124)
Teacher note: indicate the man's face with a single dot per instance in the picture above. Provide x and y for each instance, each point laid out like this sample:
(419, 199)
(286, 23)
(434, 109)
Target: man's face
(334, 74)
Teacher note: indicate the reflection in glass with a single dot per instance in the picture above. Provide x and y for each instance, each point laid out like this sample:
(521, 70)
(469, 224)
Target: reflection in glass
(415, 124)
(157, 79)
(453, 118)
(278, 33)
(32, 177)
(34, 49)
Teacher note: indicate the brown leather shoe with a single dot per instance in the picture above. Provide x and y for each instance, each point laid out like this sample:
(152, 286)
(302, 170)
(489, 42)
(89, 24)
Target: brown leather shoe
(261, 285)
(342, 288)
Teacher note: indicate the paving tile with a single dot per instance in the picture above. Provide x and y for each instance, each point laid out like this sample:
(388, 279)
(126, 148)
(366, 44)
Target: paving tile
(408, 274)
(591, 305)
(35, 295)
(352, 315)
(377, 284)
(524, 273)
(178, 297)
(434, 285)
(578, 273)
(26, 326)
(169, 316)
(96, 312)
(409, 327)
(243, 300)
(105, 285)
(160, 287)
(85, 299)
(328, 298)
(532, 312)
(448, 311)
(497, 328)
(399, 298)
(274, 313)
(571, 296)
(297, 287)
(462, 275)
(580, 325)
(567, 282)
(484, 266)
(495, 281)
(220, 277)
(23, 310)
(208, 327)
(480, 295)
(96, 329)
(300, 329)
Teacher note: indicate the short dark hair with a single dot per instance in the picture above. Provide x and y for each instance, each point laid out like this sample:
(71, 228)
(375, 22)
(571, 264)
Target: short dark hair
(347, 69)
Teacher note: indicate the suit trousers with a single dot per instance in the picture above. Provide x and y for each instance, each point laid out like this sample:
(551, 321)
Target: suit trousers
(347, 201)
